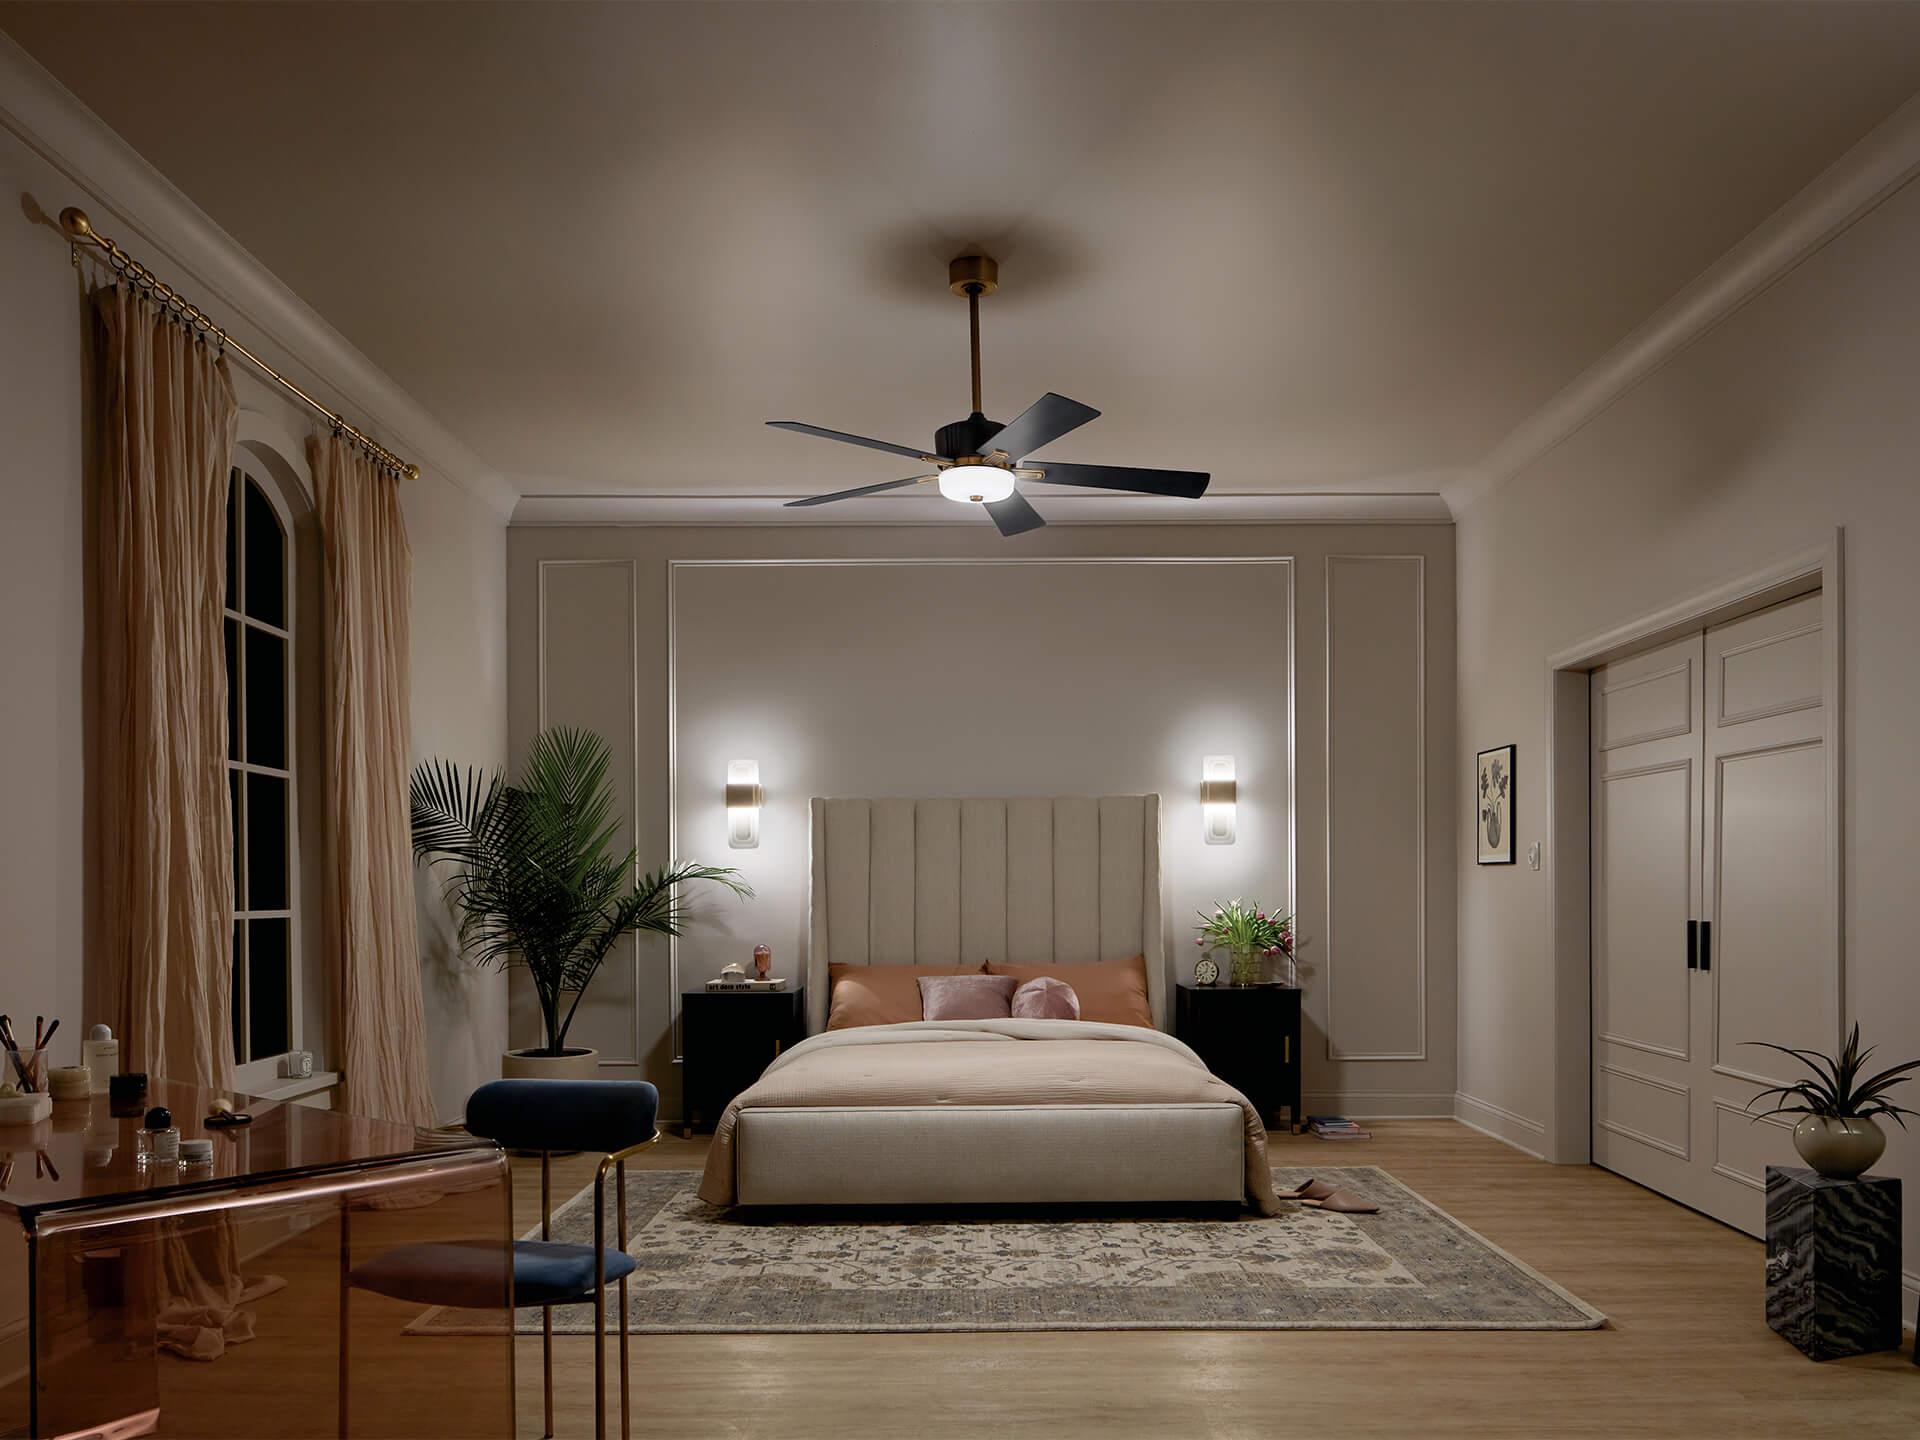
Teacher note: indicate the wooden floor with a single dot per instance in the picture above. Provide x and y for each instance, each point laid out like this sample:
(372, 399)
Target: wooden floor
(1686, 1352)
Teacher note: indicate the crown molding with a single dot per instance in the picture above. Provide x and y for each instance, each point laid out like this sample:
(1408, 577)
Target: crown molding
(1078, 508)
(134, 203)
(1883, 161)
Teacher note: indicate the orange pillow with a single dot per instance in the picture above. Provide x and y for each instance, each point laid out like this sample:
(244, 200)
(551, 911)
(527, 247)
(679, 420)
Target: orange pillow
(1111, 991)
(881, 994)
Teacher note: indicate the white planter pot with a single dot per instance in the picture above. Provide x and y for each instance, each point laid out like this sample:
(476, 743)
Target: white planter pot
(576, 1064)
(1839, 1147)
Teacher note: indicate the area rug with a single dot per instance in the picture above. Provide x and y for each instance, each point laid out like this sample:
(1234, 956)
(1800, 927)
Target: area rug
(703, 1270)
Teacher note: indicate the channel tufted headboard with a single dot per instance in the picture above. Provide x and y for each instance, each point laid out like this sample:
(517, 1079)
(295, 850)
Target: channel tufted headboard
(1024, 880)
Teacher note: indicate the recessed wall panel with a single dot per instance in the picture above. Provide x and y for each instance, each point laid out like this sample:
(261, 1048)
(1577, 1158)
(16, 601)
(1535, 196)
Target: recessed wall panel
(586, 680)
(1375, 952)
(1034, 678)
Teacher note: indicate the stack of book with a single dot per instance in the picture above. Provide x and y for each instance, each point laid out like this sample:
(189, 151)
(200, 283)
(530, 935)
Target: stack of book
(1336, 1127)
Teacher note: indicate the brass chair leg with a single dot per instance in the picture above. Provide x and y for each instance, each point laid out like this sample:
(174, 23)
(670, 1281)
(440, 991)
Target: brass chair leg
(620, 1200)
(546, 1311)
(599, 1306)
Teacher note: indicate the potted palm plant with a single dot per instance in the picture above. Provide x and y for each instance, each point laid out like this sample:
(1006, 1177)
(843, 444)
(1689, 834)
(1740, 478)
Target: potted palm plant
(535, 879)
(1837, 1135)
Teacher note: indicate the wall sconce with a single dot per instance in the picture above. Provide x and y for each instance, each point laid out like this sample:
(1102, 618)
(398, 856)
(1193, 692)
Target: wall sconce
(744, 799)
(1217, 798)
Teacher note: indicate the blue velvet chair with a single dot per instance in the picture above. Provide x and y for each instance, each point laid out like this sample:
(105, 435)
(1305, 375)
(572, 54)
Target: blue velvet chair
(612, 1118)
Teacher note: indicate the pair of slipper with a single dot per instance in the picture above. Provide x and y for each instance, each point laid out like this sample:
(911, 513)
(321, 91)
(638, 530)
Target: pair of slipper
(1318, 1195)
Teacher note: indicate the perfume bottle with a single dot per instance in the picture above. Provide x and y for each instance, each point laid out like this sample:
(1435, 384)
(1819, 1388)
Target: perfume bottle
(157, 1142)
(101, 1056)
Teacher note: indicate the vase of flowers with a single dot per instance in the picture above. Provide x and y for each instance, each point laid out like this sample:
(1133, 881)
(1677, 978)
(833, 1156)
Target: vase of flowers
(1250, 936)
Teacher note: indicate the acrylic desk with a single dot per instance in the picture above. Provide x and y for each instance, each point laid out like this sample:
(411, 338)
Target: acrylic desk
(171, 1302)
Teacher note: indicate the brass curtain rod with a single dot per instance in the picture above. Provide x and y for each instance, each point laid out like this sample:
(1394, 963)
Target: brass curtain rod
(79, 230)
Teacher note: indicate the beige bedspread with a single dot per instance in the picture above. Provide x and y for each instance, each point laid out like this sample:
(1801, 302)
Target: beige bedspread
(987, 1062)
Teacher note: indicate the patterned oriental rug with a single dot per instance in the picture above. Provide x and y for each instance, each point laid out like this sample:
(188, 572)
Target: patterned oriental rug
(703, 1270)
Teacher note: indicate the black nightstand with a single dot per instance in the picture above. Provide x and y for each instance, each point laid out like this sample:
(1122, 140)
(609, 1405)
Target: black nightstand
(727, 1037)
(1249, 1035)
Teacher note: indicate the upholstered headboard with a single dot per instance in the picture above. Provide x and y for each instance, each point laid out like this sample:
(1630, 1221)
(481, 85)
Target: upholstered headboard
(1026, 880)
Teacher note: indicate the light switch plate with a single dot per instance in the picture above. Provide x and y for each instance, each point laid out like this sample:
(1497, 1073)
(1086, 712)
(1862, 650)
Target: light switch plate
(1533, 855)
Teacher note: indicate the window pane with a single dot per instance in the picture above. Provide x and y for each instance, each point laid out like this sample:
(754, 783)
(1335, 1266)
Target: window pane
(266, 699)
(266, 560)
(233, 691)
(239, 839)
(239, 989)
(266, 842)
(233, 540)
(267, 989)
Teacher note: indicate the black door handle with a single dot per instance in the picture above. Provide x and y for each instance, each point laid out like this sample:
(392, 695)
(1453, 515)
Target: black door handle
(1706, 944)
(1693, 944)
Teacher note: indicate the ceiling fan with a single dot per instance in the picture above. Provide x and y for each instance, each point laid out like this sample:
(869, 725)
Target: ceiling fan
(976, 460)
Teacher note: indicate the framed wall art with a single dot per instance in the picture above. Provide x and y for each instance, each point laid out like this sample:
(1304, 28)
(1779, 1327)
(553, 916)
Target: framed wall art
(1493, 795)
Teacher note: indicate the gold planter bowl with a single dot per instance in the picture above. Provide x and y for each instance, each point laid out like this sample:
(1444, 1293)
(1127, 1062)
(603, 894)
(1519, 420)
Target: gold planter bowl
(1839, 1147)
(580, 1064)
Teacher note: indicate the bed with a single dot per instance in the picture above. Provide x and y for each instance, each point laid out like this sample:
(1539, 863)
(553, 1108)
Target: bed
(996, 1111)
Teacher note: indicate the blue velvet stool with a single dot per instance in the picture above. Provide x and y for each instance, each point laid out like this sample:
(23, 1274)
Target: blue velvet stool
(613, 1118)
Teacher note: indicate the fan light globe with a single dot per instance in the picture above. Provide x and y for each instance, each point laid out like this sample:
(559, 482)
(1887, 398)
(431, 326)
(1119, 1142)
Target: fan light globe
(971, 483)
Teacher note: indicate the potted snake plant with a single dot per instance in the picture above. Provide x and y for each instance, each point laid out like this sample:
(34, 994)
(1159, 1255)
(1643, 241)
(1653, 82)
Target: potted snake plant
(536, 882)
(1836, 1134)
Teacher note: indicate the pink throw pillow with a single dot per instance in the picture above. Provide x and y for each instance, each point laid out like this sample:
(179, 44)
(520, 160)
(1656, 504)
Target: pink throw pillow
(1046, 999)
(967, 997)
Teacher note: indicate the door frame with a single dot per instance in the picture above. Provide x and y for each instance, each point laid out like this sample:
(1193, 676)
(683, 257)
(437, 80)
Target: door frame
(1569, 1138)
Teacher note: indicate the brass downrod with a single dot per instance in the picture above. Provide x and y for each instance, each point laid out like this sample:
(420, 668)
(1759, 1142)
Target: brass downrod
(974, 276)
(973, 325)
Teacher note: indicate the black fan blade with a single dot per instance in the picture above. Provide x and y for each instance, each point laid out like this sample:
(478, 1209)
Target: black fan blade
(1048, 418)
(1014, 515)
(863, 490)
(800, 427)
(1187, 484)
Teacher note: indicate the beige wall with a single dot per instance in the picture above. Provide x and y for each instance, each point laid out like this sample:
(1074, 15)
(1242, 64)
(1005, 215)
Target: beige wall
(458, 635)
(754, 675)
(1796, 415)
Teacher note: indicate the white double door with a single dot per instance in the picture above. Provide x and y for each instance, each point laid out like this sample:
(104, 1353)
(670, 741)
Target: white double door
(1712, 913)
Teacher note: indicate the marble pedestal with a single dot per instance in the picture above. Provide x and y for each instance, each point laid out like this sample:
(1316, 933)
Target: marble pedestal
(1833, 1262)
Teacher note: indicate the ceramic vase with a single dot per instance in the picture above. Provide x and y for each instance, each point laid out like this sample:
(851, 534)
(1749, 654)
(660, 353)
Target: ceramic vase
(1839, 1147)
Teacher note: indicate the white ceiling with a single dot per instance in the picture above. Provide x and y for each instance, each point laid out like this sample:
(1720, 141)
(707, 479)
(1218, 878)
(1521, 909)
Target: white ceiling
(1317, 248)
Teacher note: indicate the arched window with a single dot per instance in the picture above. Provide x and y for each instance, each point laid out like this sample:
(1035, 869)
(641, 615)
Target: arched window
(268, 616)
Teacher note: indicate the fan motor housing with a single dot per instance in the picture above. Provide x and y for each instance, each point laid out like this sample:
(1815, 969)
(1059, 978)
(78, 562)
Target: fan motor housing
(971, 436)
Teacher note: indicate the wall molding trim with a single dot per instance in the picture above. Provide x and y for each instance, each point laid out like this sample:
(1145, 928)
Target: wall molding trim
(133, 202)
(1847, 191)
(1527, 1136)
(1380, 1104)
(666, 508)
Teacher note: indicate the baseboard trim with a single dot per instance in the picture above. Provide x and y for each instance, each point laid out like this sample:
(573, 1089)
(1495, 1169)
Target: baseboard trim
(1527, 1136)
(1380, 1104)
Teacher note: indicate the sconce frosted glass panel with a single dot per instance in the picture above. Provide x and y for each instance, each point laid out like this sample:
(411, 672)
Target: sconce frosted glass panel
(744, 798)
(1218, 798)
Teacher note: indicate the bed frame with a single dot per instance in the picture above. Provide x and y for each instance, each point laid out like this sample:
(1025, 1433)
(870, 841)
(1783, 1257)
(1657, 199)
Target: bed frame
(1028, 880)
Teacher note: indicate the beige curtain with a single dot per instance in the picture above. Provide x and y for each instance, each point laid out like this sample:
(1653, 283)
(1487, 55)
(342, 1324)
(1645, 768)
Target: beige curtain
(370, 901)
(165, 834)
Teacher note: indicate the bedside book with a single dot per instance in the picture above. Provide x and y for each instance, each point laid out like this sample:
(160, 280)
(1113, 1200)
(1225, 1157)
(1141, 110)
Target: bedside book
(1337, 1127)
